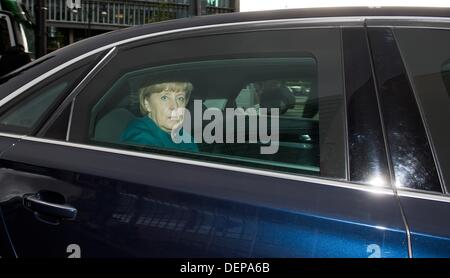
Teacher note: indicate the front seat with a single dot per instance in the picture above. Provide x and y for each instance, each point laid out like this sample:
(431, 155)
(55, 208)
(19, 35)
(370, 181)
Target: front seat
(110, 127)
(277, 97)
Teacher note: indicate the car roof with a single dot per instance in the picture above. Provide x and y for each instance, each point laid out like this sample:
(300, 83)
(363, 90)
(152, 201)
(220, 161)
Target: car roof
(217, 19)
(79, 48)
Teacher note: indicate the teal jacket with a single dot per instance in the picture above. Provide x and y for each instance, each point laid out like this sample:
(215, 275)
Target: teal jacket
(144, 131)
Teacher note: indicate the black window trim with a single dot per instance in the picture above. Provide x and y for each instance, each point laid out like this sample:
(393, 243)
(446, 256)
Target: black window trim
(321, 22)
(101, 61)
(318, 180)
(345, 112)
(390, 27)
(30, 90)
(249, 29)
(417, 194)
(364, 43)
(380, 113)
(422, 114)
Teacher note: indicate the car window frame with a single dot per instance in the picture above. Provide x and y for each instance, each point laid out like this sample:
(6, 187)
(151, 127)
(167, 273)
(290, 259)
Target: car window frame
(252, 29)
(83, 65)
(64, 110)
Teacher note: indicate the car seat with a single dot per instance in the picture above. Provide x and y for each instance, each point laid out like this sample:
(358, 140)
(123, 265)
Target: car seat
(279, 97)
(110, 127)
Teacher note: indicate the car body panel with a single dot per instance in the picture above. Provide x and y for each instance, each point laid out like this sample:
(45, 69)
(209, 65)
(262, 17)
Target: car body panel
(135, 211)
(427, 219)
(131, 204)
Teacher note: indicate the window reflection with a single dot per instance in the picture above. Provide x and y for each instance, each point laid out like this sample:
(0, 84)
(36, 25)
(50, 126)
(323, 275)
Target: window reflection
(410, 152)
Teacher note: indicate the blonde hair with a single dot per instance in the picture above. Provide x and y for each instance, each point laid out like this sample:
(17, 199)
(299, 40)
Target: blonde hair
(176, 86)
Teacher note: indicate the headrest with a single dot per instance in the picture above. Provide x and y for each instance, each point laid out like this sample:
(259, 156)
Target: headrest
(278, 97)
(110, 127)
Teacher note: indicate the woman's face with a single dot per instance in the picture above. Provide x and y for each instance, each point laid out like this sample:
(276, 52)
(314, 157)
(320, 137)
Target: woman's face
(166, 108)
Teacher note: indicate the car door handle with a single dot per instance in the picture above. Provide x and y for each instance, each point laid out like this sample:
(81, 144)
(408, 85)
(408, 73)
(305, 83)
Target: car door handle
(50, 204)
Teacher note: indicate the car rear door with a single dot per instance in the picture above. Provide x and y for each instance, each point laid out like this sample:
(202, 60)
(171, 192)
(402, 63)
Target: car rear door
(73, 196)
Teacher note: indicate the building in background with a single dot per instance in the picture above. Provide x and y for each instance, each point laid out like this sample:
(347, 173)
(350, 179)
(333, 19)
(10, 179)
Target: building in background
(71, 20)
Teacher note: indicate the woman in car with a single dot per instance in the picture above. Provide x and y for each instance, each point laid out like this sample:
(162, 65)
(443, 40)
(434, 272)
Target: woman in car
(163, 106)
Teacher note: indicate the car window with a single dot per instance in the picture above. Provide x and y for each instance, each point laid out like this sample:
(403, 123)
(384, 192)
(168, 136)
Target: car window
(243, 107)
(445, 71)
(294, 96)
(28, 113)
(25, 113)
(429, 68)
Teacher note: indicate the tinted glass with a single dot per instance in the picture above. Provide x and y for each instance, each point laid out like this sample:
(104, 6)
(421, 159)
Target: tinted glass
(298, 93)
(429, 68)
(367, 154)
(255, 105)
(412, 159)
(27, 112)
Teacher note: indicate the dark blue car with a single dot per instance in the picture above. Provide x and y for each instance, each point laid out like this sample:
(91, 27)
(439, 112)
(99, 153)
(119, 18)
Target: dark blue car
(361, 159)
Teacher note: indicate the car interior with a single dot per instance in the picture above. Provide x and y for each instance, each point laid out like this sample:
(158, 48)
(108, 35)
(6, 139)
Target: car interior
(226, 84)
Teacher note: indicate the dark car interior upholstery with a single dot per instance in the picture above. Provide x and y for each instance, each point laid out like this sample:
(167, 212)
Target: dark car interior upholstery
(110, 127)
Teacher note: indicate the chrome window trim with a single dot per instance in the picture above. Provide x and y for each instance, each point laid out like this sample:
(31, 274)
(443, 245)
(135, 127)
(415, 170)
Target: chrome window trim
(322, 181)
(214, 165)
(11, 135)
(324, 20)
(410, 18)
(327, 21)
(345, 108)
(331, 21)
(82, 84)
(408, 21)
(411, 82)
(423, 195)
(68, 100)
(69, 124)
(45, 76)
(408, 27)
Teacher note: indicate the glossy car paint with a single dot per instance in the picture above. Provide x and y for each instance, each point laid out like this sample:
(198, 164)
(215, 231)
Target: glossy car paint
(131, 204)
(143, 210)
(427, 219)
